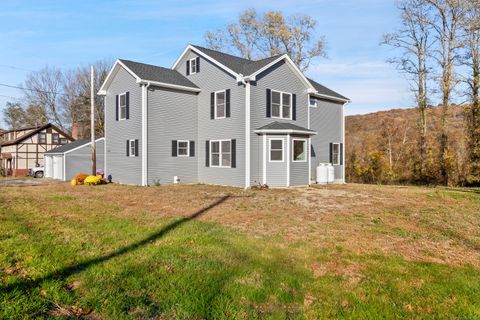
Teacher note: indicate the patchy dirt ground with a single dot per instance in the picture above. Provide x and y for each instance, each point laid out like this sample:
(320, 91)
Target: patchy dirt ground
(421, 224)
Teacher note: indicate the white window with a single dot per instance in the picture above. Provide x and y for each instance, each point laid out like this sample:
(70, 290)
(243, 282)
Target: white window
(336, 153)
(183, 148)
(313, 102)
(281, 105)
(42, 138)
(221, 153)
(193, 65)
(132, 148)
(55, 138)
(220, 104)
(299, 150)
(276, 150)
(63, 141)
(122, 104)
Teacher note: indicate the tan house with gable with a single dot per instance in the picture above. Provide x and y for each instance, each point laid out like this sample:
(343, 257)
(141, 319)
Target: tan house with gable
(21, 149)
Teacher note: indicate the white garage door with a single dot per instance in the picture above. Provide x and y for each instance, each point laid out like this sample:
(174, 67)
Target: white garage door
(58, 167)
(48, 167)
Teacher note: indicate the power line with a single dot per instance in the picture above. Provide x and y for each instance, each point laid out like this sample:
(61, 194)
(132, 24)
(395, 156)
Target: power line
(13, 67)
(34, 90)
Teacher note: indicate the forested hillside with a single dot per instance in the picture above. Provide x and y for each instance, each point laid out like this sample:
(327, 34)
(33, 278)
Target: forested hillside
(382, 147)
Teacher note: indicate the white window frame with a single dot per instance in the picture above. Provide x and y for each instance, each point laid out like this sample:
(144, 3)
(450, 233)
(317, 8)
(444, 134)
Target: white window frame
(224, 104)
(312, 105)
(333, 154)
(281, 104)
(130, 153)
(191, 66)
(220, 153)
(270, 149)
(120, 106)
(178, 148)
(304, 149)
(58, 138)
(42, 134)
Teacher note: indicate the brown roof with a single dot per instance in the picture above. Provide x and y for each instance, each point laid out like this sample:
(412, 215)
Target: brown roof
(20, 129)
(37, 130)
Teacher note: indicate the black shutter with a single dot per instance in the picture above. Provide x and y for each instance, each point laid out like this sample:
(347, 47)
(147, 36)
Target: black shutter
(128, 148)
(127, 105)
(331, 152)
(198, 64)
(227, 103)
(341, 153)
(207, 153)
(192, 148)
(294, 107)
(188, 68)
(116, 107)
(269, 104)
(136, 147)
(174, 148)
(212, 105)
(234, 153)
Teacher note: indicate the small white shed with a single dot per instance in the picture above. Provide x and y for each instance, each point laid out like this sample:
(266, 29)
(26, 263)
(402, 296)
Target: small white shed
(64, 162)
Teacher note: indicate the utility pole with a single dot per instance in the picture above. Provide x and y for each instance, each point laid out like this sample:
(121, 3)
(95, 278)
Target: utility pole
(92, 121)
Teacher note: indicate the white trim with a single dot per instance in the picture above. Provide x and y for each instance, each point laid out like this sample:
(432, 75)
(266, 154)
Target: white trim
(64, 178)
(120, 106)
(288, 160)
(188, 149)
(190, 65)
(304, 149)
(144, 134)
(343, 139)
(76, 148)
(130, 153)
(220, 151)
(309, 160)
(281, 104)
(333, 153)
(169, 85)
(247, 134)
(224, 104)
(105, 134)
(206, 56)
(264, 159)
(270, 150)
(326, 96)
(284, 131)
(291, 64)
(106, 82)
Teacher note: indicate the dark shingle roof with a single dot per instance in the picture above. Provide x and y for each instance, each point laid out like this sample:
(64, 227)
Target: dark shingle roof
(283, 126)
(69, 146)
(159, 74)
(237, 64)
(324, 90)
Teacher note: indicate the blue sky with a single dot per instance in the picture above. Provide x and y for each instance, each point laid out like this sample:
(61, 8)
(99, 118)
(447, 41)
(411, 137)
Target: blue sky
(67, 34)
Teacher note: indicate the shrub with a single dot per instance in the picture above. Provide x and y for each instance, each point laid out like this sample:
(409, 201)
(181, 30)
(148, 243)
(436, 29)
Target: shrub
(80, 177)
(92, 180)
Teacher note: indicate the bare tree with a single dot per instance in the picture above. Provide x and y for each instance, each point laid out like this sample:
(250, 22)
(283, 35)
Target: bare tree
(414, 41)
(14, 115)
(471, 28)
(447, 17)
(42, 88)
(253, 37)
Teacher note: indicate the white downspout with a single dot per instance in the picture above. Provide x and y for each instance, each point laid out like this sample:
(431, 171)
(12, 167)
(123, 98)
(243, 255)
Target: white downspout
(343, 143)
(145, 134)
(309, 146)
(247, 135)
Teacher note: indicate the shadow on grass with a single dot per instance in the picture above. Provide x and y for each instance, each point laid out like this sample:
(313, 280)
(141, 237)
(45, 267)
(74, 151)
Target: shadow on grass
(77, 268)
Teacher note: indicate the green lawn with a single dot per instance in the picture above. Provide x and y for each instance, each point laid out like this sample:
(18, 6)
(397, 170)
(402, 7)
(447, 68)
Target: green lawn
(205, 252)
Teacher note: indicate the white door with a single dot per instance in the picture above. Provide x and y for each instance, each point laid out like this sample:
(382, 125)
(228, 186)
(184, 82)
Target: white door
(48, 167)
(58, 167)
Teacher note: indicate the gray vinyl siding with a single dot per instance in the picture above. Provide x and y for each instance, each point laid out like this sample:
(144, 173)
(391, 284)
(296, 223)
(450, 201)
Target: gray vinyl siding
(279, 78)
(210, 79)
(123, 169)
(298, 170)
(80, 160)
(172, 115)
(327, 120)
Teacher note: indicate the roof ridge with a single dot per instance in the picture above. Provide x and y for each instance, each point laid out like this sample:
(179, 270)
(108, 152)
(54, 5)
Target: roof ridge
(147, 64)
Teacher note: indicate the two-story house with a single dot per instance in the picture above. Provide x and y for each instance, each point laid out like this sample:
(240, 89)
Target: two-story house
(219, 119)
